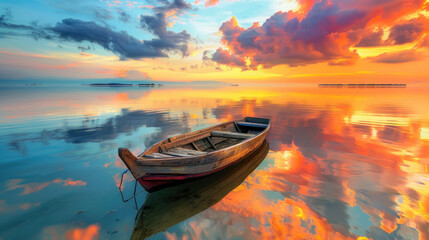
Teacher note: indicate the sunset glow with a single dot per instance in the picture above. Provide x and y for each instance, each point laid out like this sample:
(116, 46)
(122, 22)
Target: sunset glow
(321, 107)
(278, 42)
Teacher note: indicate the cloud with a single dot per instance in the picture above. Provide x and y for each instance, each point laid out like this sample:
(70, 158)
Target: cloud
(76, 30)
(284, 39)
(137, 75)
(102, 14)
(177, 4)
(29, 188)
(70, 182)
(342, 62)
(211, 2)
(424, 42)
(123, 16)
(126, 122)
(32, 30)
(369, 38)
(409, 31)
(157, 25)
(89, 233)
(83, 48)
(398, 57)
(224, 57)
(120, 43)
(321, 31)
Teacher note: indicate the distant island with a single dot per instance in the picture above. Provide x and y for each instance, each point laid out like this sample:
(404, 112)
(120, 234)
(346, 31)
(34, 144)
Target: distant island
(123, 85)
(148, 85)
(364, 85)
(110, 85)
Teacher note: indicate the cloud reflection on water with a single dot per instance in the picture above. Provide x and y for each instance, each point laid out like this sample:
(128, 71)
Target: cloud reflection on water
(344, 163)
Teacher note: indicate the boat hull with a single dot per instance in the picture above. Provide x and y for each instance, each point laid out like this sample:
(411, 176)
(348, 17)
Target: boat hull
(154, 169)
(153, 182)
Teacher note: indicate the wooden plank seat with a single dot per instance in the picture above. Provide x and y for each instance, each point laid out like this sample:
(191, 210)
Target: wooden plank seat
(253, 132)
(184, 151)
(231, 135)
(181, 142)
(176, 152)
(250, 124)
(157, 155)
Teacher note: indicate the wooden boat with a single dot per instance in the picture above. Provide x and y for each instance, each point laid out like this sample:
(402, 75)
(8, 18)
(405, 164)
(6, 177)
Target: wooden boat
(170, 206)
(195, 154)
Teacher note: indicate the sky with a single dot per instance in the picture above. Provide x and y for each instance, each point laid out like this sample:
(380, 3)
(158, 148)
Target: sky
(256, 41)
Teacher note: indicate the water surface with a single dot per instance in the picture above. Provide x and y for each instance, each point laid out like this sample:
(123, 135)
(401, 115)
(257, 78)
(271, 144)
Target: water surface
(343, 163)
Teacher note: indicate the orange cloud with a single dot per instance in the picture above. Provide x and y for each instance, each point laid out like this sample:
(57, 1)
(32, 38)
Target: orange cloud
(211, 2)
(27, 188)
(70, 182)
(208, 3)
(398, 57)
(324, 31)
(409, 31)
(36, 187)
(16, 207)
(89, 233)
(27, 206)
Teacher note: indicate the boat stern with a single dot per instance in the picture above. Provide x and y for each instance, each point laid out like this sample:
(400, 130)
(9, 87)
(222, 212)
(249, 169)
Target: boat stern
(257, 120)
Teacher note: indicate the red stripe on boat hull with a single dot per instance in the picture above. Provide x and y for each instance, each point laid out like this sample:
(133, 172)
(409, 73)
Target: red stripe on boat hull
(156, 182)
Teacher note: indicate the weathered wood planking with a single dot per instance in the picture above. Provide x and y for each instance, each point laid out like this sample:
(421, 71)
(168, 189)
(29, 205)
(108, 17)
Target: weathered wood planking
(231, 135)
(185, 141)
(186, 151)
(249, 124)
(215, 148)
(156, 155)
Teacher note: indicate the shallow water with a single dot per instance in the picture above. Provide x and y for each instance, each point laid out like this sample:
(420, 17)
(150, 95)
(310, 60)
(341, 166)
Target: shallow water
(343, 163)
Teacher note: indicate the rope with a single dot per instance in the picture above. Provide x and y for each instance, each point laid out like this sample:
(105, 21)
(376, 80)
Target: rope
(134, 194)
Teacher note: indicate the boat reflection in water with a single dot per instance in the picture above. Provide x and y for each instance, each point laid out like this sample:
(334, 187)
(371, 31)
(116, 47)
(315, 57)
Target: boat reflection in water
(167, 207)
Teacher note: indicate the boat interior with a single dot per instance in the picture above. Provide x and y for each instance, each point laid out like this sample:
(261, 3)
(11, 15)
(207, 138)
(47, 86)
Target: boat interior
(207, 140)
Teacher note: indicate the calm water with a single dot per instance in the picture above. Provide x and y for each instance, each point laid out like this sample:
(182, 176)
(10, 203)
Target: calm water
(341, 164)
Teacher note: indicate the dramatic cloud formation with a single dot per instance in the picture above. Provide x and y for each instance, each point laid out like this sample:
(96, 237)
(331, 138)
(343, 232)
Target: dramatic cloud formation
(211, 2)
(320, 31)
(207, 3)
(120, 43)
(137, 75)
(157, 25)
(368, 38)
(224, 57)
(123, 16)
(89, 233)
(398, 57)
(424, 43)
(38, 186)
(31, 30)
(409, 31)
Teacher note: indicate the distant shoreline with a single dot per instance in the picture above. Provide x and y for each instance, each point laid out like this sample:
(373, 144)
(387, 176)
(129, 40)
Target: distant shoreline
(123, 85)
(364, 85)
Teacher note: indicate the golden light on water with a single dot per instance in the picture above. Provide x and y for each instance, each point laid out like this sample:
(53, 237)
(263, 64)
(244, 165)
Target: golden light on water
(424, 133)
(361, 117)
(374, 133)
(287, 156)
(329, 149)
